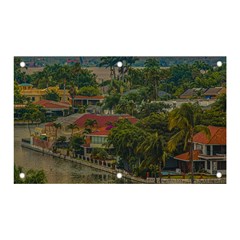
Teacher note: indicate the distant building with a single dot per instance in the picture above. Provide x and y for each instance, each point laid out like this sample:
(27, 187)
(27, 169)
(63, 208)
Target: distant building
(192, 93)
(97, 139)
(35, 94)
(208, 154)
(212, 93)
(25, 86)
(87, 100)
(54, 108)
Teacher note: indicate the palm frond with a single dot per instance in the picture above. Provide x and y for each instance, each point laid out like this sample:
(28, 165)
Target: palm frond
(203, 129)
(175, 139)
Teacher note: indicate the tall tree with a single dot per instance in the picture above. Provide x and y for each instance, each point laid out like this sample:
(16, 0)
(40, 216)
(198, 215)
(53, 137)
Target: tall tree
(152, 75)
(76, 142)
(152, 148)
(18, 97)
(109, 62)
(111, 102)
(90, 123)
(52, 95)
(186, 119)
(73, 93)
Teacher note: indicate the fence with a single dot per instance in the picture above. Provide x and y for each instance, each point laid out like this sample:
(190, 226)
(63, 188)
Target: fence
(188, 181)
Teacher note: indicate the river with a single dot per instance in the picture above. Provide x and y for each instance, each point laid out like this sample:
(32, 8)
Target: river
(57, 170)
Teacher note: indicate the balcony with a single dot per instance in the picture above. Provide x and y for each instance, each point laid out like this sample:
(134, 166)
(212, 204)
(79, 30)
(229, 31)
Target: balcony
(213, 157)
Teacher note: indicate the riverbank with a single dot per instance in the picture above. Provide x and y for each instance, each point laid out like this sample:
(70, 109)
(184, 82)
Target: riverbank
(100, 165)
(109, 168)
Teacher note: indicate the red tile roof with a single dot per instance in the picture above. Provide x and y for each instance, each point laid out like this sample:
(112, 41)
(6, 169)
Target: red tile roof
(218, 136)
(53, 104)
(103, 119)
(186, 156)
(88, 97)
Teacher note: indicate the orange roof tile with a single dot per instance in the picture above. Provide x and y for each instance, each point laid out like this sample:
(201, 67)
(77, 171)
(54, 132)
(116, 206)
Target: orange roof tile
(186, 156)
(53, 104)
(218, 136)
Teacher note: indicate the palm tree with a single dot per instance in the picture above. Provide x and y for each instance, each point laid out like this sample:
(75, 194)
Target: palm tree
(132, 106)
(185, 120)
(73, 93)
(153, 150)
(90, 123)
(57, 126)
(72, 126)
(109, 62)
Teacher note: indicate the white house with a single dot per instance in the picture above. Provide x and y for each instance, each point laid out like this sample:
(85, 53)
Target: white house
(208, 154)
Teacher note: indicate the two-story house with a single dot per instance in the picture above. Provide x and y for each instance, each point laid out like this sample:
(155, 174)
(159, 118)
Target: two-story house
(96, 139)
(209, 154)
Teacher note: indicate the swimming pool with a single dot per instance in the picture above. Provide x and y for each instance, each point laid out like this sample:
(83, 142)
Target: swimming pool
(165, 173)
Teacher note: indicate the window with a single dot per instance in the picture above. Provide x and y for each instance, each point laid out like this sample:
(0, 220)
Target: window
(208, 150)
(221, 165)
(219, 149)
(98, 140)
(199, 147)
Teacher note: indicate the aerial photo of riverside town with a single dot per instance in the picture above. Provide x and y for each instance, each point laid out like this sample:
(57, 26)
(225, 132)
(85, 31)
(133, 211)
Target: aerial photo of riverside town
(121, 120)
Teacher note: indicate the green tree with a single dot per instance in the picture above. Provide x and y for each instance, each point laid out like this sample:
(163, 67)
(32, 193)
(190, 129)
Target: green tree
(156, 122)
(73, 93)
(19, 75)
(125, 138)
(89, 91)
(111, 102)
(146, 109)
(32, 176)
(152, 148)
(152, 75)
(99, 153)
(33, 113)
(135, 77)
(90, 123)
(76, 142)
(186, 119)
(109, 62)
(72, 126)
(18, 97)
(221, 103)
(52, 95)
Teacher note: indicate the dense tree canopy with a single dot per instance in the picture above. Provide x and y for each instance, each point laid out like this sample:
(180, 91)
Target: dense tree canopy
(31, 176)
(89, 91)
(60, 75)
(52, 95)
(18, 97)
